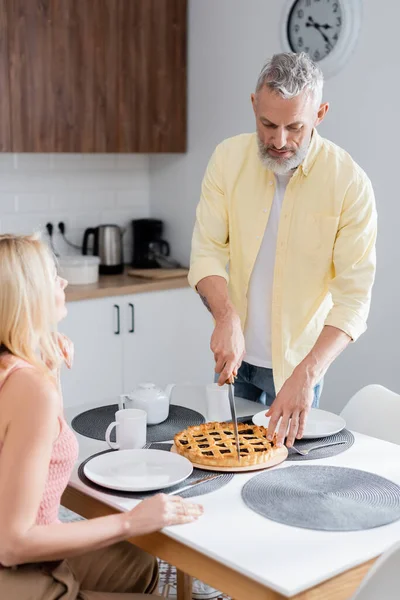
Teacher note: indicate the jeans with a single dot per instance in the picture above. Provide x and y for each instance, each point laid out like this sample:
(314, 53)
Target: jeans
(257, 384)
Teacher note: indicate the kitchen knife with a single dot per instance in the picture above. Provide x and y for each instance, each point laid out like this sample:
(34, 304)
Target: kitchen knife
(193, 483)
(234, 418)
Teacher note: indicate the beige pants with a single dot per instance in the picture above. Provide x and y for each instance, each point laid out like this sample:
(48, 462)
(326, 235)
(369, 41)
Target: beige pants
(120, 572)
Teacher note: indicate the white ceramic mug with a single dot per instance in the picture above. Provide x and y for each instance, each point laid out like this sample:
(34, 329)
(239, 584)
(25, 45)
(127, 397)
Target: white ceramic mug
(218, 408)
(131, 429)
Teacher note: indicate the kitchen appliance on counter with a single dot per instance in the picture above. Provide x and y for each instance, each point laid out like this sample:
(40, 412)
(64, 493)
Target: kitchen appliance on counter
(148, 246)
(79, 270)
(107, 245)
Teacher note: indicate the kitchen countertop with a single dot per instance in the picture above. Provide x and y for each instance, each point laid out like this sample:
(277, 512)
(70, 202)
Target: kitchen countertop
(120, 285)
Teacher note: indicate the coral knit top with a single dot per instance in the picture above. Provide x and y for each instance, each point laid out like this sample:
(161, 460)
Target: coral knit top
(63, 457)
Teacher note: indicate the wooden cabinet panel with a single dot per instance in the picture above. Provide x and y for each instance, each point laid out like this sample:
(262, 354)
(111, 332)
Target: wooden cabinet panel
(152, 116)
(58, 77)
(97, 75)
(5, 115)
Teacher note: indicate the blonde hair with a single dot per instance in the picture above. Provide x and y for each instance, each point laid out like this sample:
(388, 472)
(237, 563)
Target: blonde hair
(27, 301)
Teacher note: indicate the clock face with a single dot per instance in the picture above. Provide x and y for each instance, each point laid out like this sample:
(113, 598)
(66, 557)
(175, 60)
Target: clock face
(314, 26)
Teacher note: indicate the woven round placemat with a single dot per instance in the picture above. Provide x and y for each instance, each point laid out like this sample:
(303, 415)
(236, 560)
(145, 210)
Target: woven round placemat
(324, 498)
(198, 490)
(344, 435)
(93, 423)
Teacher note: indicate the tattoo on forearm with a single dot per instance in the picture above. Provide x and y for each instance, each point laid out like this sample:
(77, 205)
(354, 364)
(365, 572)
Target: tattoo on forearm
(205, 302)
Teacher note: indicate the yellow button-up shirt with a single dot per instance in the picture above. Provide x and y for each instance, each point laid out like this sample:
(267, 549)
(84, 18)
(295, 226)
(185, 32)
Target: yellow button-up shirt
(325, 255)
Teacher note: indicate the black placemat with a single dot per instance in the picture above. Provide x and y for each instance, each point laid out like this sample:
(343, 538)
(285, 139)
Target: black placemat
(93, 423)
(344, 435)
(198, 490)
(324, 498)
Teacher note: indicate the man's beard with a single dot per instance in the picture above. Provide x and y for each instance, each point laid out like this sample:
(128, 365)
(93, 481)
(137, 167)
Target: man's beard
(280, 166)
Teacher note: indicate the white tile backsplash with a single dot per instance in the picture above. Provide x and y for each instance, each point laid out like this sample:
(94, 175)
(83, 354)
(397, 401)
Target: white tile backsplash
(7, 162)
(82, 190)
(71, 201)
(27, 202)
(100, 200)
(33, 162)
(8, 202)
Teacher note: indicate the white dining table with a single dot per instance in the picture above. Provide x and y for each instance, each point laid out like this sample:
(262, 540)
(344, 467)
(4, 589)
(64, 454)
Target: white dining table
(240, 552)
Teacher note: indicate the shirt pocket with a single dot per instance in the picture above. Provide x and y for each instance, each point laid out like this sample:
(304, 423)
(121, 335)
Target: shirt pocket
(318, 241)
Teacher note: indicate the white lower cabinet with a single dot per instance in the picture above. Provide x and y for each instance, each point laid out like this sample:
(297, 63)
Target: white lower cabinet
(162, 337)
(97, 371)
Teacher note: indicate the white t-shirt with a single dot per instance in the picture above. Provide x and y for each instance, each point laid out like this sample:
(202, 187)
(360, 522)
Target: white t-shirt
(258, 325)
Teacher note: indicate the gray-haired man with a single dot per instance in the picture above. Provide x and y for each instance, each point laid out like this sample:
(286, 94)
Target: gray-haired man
(294, 218)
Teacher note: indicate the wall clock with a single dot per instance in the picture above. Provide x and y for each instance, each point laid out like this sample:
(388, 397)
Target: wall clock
(326, 29)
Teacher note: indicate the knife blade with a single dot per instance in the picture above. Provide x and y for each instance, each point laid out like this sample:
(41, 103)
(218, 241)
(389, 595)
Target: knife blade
(193, 483)
(234, 418)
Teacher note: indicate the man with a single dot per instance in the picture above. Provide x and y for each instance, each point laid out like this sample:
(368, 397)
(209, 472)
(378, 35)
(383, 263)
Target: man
(283, 251)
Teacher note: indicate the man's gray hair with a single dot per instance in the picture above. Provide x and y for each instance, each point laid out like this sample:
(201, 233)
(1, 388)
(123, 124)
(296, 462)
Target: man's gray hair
(289, 74)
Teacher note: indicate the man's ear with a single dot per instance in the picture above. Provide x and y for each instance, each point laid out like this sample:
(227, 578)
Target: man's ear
(323, 109)
(253, 102)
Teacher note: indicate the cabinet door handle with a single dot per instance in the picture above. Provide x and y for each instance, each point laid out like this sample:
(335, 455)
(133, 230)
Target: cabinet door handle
(132, 329)
(118, 320)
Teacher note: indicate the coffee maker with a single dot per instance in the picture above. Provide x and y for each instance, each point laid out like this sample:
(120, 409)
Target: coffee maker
(148, 243)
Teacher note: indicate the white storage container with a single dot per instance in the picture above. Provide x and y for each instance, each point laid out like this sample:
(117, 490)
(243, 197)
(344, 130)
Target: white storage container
(79, 270)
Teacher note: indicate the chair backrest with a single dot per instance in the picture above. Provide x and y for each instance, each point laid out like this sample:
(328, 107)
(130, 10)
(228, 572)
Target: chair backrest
(383, 580)
(374, 410)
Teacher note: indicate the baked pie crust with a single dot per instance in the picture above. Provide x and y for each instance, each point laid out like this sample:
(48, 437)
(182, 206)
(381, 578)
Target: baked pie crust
(214, 444)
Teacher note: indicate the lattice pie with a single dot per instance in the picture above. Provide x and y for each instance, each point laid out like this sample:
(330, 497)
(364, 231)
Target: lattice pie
(214, 444)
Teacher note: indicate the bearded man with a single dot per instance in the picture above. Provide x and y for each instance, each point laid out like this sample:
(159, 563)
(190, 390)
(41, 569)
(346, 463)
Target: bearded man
(283, 251)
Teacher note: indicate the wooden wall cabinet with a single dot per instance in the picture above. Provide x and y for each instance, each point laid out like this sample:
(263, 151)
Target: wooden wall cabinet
(93, 75)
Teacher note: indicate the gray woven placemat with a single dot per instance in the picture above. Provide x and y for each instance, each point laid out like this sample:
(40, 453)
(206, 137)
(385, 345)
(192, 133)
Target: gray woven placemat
(324, 498)
(344, 435)
(93, 423)
(199, 490)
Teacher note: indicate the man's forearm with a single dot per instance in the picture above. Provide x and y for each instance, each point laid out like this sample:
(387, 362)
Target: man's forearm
(227, 341)
(331, 342)
(213, 291)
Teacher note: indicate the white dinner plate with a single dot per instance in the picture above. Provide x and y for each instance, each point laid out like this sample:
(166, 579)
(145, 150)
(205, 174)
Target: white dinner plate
(138, 470)
(320, 423)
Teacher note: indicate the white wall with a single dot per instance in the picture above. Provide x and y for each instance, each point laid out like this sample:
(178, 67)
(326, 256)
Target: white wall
(228, 41)
(83, 190)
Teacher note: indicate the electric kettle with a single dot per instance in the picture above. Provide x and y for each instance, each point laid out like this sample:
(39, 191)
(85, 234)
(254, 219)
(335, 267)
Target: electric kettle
(107, 244)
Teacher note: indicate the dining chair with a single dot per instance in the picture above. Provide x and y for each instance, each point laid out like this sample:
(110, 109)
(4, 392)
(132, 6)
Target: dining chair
(374, 410)
(383, 580)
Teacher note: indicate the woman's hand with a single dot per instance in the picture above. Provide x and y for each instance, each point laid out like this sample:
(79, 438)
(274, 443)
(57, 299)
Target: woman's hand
(160, 511)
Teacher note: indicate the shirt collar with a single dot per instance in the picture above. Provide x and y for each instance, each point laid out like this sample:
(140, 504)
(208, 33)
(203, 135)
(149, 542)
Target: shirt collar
(313, 150)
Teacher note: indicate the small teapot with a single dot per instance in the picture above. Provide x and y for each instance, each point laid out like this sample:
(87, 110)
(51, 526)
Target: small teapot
(150, 398)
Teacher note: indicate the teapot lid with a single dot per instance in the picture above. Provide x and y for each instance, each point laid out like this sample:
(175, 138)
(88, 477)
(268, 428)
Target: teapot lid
(147, 386)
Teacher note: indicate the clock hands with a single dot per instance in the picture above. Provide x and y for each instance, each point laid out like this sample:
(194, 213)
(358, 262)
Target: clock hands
(318, 27)
(312, 23)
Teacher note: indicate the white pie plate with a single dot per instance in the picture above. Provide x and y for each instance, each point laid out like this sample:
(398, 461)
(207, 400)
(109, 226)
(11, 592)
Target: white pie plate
(276, 460)
(138, 470)
(320, 423)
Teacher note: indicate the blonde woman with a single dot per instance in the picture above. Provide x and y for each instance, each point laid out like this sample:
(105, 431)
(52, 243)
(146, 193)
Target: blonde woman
(40, 558)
